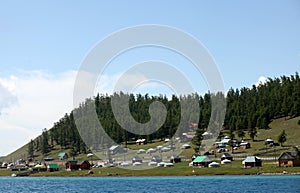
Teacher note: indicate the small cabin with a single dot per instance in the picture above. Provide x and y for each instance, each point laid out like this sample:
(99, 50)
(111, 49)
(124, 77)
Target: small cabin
(289, 159)
(78, 165)
(245, 145)
(202, 161)
(223, 143)
(175, 159)
(227, 156)
(63, 155)
(185, 146)
(141, 141)
(116, 149)
(207, 135)
(186, 137)
(137, 159)
(156, 159)
(252, 161)
(269, 141)
(48, 159)
(52, 167)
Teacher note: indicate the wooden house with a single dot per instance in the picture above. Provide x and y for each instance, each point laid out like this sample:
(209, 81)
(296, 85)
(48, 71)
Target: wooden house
(48, 159)
(52, 167)
(137, 159)
(269, 141)
(289, 159)
(78, 165)
(245, 145)
(63, 155)
(116, 149)
(226, 156)
(202, 161)
(252, 161)
(141, 141)
(175, 159)
(156, 158)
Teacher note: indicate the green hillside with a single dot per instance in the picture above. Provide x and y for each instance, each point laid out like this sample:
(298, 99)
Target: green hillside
(254, 114)
(258, 147)
(291, 127)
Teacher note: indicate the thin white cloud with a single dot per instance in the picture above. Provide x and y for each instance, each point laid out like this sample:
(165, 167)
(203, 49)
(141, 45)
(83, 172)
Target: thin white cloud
(261, 80)
(7, 98)
(39, 100)
(35, 100)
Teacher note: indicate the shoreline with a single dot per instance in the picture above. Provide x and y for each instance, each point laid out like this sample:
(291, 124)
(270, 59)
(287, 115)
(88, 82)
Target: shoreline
(180, 169)
(117, 175)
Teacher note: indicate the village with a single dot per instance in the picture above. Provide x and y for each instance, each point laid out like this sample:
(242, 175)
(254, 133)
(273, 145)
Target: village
(221, 156)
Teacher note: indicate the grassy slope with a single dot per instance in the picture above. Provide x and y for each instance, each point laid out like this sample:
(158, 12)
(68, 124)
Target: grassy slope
(258, 148)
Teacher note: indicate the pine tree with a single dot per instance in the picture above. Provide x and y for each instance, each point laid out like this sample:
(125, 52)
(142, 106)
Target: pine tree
(252, 133)
(282, 138)
(31, 149)
(241, 134)
(73, 152)
(197, 140)
(45, 143)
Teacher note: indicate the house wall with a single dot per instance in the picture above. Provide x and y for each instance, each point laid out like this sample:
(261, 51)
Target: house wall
(229, 158)
(249, 164)
(133, 161)
(258, 164)
(72, 167)
(286, 163)
(202, 164)
(296, 162)
(85, 166)
(253, 164)
(245, 146)
(63, 157)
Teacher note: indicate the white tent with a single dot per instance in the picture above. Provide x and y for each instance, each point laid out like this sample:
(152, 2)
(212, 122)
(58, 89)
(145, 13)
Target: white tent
(152, 164)
(137, 164)
(151, 150)
(226, 161)
(165, 149)
(124, 164)
(39, 166)
(185, 146)
(161, 164)
(141, 151)
(89, 155)
(213, 165)
(169, 164)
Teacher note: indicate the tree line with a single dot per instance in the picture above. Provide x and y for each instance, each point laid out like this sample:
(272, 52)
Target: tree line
(247, 110)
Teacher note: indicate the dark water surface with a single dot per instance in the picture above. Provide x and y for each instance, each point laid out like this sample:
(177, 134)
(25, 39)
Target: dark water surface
(280, 184)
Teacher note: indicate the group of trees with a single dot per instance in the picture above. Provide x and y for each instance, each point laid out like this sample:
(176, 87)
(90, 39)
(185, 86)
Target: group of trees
(247, 109)
(252, 109)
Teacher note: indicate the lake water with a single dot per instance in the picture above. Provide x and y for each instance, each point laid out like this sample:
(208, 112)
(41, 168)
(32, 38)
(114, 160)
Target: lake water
(282, 184)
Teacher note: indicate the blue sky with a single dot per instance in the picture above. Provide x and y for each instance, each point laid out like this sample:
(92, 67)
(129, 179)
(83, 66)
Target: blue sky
(42, 44)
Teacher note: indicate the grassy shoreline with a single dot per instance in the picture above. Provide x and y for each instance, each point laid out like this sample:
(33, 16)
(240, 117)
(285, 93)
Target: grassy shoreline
(180, 169)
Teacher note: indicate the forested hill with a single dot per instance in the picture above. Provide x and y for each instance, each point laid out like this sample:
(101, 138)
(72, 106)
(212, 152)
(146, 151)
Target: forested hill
(248, 109)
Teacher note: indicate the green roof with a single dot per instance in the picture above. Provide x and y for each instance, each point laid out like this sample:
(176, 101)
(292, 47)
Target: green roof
(61, 154)
(252, 159)
(54, 166)
(202, 159)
